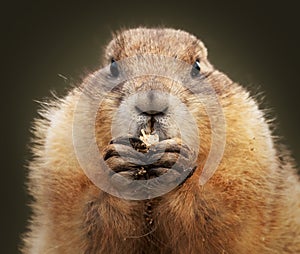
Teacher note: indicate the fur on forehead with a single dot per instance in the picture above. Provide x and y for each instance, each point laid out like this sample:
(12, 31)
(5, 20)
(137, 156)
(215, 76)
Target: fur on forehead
(164, 41)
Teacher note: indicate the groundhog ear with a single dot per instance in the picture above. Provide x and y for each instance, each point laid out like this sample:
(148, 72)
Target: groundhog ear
(203, 50)
(203, 62)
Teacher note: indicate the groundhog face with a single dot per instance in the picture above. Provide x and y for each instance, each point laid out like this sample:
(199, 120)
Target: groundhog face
(157, 112)
(152, 102)
(153, 118)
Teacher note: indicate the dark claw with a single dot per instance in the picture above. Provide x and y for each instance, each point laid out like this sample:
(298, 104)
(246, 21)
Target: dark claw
(122, 151)
(158, 171)
(132, 141)
(125, 140)
(118, 164)
(170, 145)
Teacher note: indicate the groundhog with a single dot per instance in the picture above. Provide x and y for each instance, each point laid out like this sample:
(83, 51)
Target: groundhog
(250, 202)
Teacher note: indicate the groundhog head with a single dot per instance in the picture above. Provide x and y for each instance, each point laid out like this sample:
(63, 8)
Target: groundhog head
(156, 106)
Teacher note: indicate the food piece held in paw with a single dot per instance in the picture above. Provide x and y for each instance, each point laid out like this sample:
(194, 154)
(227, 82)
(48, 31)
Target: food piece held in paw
(144, 142)
(149, 139)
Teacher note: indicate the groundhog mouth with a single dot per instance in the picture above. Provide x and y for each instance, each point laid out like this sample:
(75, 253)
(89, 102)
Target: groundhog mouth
(135, 159)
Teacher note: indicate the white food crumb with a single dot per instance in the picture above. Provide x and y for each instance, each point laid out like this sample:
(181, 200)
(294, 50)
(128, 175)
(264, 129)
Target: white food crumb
(149, 139)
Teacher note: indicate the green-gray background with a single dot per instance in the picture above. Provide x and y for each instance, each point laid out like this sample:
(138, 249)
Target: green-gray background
(254, 42)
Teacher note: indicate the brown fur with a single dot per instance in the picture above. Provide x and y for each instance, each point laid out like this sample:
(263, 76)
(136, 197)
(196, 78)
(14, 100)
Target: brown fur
(250, 205)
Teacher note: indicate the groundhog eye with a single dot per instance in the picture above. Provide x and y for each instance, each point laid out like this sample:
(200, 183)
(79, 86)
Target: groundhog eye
(195, 68)
(114, 70)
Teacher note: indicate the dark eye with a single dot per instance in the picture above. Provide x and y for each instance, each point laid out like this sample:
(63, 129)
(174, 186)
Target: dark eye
(195, 71)
(114, 70)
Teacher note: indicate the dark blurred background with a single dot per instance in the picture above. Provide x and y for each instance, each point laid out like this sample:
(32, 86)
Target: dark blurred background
(255, 43)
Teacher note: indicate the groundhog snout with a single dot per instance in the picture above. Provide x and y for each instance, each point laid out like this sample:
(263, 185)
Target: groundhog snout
(152, 102)
(152, 111)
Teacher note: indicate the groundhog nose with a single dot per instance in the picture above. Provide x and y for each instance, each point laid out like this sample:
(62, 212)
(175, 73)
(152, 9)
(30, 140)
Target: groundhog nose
(152, 103)
(151, 112)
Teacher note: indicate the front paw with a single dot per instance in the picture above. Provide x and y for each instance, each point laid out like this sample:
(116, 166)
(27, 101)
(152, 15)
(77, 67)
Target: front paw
(129, 157)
